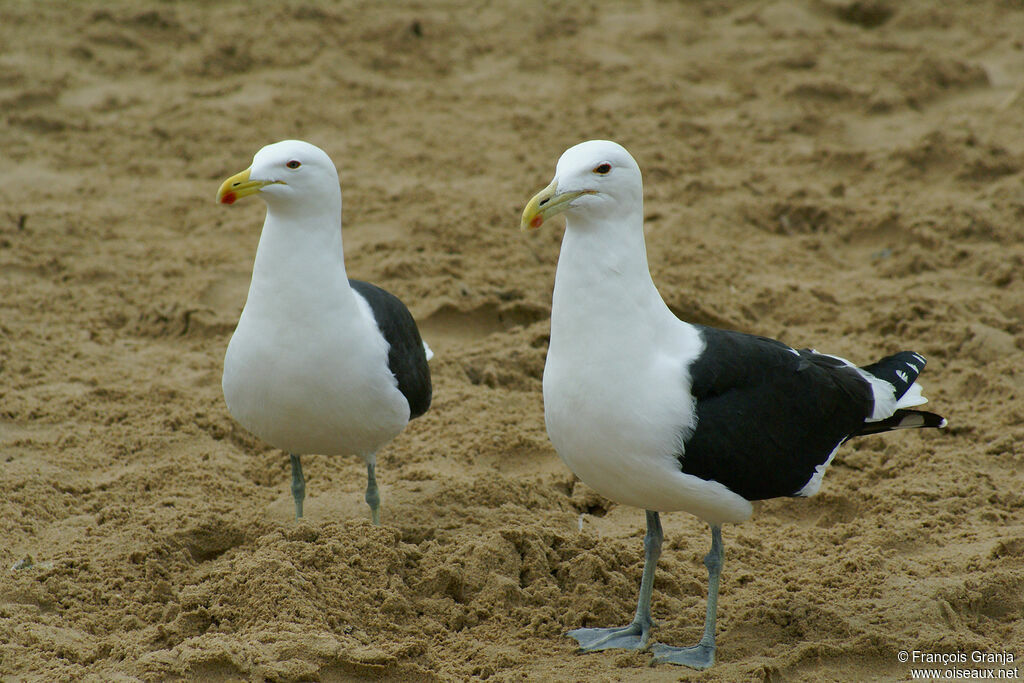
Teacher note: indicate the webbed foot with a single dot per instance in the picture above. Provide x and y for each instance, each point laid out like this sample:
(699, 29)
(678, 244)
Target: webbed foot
(632, 637)
(696, 657)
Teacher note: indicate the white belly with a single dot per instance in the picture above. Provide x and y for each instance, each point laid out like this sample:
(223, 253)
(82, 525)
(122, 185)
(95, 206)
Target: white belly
(325, 391)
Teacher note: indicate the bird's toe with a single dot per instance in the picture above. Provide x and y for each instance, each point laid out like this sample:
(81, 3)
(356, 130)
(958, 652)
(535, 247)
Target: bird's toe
(695, 657)
(632, 637)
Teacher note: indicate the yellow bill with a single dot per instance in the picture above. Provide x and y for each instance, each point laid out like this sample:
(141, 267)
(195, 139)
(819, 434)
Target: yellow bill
(547, 203)
(238, 186)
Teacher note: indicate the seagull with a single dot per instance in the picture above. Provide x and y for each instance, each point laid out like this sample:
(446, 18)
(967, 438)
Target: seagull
(319, 363)
(665, 415)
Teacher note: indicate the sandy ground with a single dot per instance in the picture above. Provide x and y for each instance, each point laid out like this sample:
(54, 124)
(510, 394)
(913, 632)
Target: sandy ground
(839, 174)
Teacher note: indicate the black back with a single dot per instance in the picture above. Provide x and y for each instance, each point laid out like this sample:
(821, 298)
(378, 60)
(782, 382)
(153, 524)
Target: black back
(766, 415)
(406, 358)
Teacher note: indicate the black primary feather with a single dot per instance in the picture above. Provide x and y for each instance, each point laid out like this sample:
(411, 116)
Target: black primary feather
(900, 370)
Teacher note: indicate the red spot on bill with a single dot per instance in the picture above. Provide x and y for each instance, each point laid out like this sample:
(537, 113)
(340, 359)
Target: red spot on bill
(229, 198)
(537, 221)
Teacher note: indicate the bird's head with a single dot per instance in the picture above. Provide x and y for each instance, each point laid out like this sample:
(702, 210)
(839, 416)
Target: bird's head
(284, 173)
(594, 177)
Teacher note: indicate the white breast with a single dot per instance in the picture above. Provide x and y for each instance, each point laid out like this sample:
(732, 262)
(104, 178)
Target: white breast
(608, 420)
(323, 388)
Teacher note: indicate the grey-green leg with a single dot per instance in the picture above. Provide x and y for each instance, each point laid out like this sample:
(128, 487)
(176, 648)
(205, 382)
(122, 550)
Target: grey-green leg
(372, 492)
(636, 634)
(701, 655)
(298, 485)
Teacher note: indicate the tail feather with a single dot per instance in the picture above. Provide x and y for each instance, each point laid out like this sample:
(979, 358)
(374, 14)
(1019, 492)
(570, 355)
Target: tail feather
(900, 370)
(897, 373)
(903, 419)
(912, 398)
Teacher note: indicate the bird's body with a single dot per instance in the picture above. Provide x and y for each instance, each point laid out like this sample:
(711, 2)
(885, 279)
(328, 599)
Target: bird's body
(665, 415)
(319, 363)
(617, 362)
(280, 380)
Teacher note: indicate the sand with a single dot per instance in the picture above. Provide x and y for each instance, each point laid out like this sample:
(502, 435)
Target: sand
(843, 174)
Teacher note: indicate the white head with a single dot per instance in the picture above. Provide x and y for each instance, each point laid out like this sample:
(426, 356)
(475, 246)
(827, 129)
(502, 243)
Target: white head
(597, 179)
(288, 175)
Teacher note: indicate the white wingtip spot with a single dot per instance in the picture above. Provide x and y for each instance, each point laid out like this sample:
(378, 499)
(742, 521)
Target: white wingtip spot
(942, 425)
(427, 350)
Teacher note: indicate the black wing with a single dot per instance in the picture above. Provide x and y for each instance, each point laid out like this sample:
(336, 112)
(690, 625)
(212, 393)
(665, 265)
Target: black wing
(766, 415)
(406, 358)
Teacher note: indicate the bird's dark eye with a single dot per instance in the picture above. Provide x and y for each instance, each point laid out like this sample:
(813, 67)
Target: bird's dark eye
(603, 169)
(293, 164)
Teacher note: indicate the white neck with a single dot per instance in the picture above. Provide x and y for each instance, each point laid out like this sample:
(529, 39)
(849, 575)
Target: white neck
(299, 265)
(603, 282)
